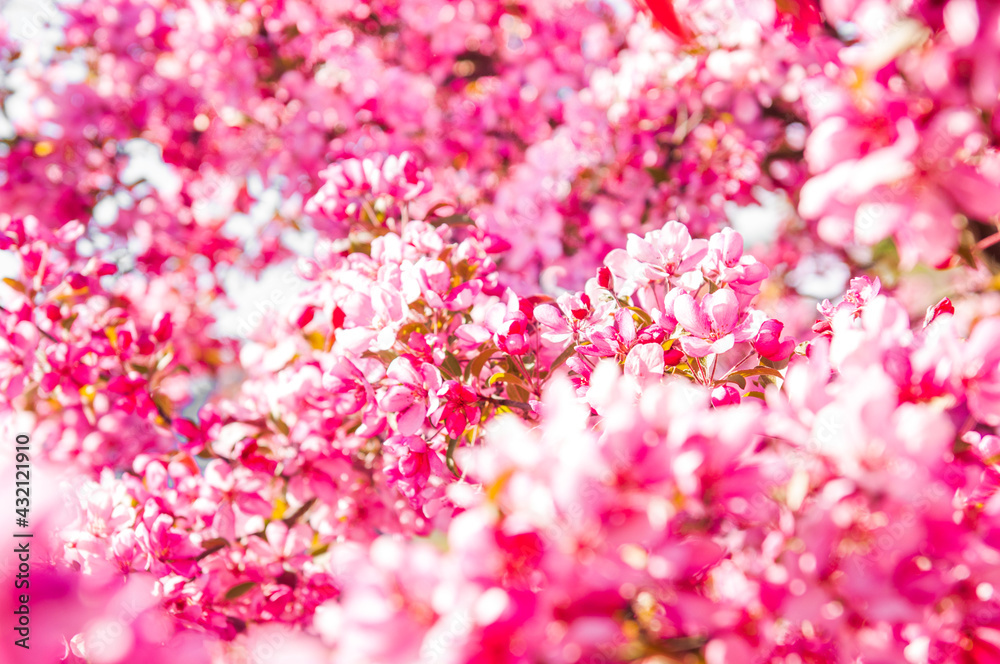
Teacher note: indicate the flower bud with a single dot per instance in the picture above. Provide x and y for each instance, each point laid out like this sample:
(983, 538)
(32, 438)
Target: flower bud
(654, 334)
(162, 326)
(106, 269)
(580, 306)
(338, 318)
(725, 395)
(604, 278)
(512, 338)
(672, 357)
(942, 308)
(822, 327)
(305, 317)
(767, 343)
(76, 280)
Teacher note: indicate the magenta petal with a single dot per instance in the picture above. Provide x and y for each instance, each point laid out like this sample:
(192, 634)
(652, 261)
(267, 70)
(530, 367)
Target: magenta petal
(784, 351)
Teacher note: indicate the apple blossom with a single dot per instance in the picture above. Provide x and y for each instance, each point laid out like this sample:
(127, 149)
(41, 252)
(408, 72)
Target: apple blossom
(523, 393)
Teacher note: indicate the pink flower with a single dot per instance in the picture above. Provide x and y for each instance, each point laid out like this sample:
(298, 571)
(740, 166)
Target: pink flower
(410, 464)
(458, 409)
(350, 183)
(348, 388)
(511, 335)
(168, 545)
(862, 290)
(661, 256)
(282, 547)
(724, 263)
(133, 395)
(506, 323)
(411, 392)
(617, 340)
(715, 324)
(725, 249)
(570, 317)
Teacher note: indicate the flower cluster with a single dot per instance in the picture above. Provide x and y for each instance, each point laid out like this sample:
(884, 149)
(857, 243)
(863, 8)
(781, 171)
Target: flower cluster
(537, 398)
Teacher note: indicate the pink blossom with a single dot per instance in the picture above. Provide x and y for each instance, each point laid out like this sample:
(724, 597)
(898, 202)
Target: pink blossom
(662, 256)
(411, 464)
(281, 547)
(715, 323)
(166, 545)
(572, 316)
(411, 392)
(507, 390)
(458, 408)
(618, 339)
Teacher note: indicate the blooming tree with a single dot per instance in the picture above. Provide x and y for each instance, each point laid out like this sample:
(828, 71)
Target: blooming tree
(536, 387)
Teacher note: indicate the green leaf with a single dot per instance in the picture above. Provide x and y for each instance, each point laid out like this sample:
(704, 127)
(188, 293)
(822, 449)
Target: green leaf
(518, 393)
(449, 457)
(280, 424)
(775, 365)
(886, 251)
(507, 377)
(659, 175)
(214, 542)
(965, 252)
(739, 380)
(755, 394)
(16, 285)
(454, 220)
(163, 404)
(561, 360)
(760, 371)
(475, 367)
(410, 328)
(452, 366)
(239, 590)
(387, 356)
(641, 315)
